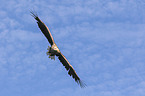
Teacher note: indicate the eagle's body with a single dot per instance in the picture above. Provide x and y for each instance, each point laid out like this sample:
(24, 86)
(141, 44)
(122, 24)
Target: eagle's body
(54, 51)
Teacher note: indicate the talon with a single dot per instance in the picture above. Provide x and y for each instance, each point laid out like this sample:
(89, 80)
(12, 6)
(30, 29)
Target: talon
(48, 48)
(49, 53)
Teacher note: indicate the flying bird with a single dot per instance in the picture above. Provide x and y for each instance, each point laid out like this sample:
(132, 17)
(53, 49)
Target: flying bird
(54, 51)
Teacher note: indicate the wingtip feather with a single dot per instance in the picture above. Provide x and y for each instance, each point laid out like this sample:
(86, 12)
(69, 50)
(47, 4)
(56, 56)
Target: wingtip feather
(33, 14)
(82, 84)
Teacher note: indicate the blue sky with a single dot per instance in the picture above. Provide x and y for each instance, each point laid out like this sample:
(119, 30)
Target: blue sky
(103, 40)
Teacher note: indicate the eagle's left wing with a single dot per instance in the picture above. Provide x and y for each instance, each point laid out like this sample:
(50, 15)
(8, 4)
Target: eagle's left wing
(43, 28)
(70, 69)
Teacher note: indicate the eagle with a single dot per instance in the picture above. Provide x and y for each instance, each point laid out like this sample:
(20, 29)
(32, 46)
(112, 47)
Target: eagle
(54, 50)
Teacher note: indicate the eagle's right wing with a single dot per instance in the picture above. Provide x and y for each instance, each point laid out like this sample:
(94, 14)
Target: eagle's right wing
(70, 69)
(44, 29)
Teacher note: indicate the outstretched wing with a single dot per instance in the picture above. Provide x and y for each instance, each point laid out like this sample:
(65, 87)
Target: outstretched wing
(70, 69)
(43, 28)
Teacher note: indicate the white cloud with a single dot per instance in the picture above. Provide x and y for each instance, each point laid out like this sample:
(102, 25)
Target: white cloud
(103, 40)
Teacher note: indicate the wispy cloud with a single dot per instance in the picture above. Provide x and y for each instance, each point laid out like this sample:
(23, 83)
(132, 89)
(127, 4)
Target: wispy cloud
(103, 40)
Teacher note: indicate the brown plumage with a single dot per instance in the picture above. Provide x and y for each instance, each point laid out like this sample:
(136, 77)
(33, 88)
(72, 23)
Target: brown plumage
(53, 50)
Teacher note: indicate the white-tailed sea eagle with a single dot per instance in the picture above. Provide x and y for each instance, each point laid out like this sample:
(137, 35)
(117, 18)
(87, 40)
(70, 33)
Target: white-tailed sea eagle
(53, 50)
